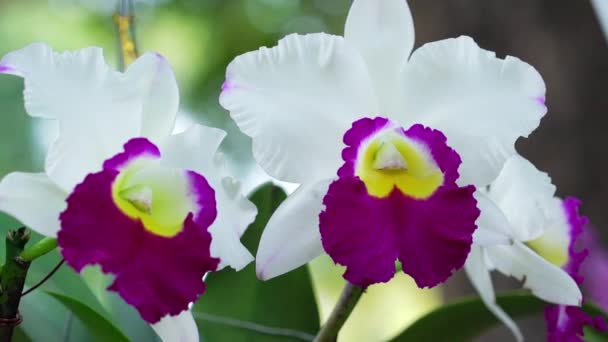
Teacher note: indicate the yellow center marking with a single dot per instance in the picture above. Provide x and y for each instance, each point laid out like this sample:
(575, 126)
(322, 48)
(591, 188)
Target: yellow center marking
(392, 161)
(140, 193)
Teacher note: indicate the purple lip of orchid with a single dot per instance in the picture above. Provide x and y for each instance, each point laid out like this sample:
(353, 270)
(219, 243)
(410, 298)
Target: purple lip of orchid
(595, 269)
(157, 274)
(431, 236)
(566, 323)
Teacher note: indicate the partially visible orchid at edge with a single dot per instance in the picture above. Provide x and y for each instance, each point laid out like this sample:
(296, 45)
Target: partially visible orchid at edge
(156, 210)
(387, 144)
(534, 242)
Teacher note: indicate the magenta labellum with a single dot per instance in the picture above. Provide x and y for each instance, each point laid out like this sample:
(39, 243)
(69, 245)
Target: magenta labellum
(566, 323)
(396, 198)
(146, 224)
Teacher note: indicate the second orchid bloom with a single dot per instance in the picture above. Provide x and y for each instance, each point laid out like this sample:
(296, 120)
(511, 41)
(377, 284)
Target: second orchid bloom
(156, 210)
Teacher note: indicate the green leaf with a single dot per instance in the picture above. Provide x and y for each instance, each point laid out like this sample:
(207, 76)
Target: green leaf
(469, 318)
(236, 300)
(98, 326)
(88, 288)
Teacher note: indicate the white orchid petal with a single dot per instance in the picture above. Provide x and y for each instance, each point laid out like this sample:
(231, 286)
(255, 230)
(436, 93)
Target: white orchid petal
(521, 191)
(154, 74)
(601, 11)
(555, 241)
(486, 237)
(291, 237)
(544, 279)
(478, 273)
(98, 109)
(383, 32)
(33, 199)
(492, 225)
(196, 149)
(483, 104)
(296, 100)
(180, 328)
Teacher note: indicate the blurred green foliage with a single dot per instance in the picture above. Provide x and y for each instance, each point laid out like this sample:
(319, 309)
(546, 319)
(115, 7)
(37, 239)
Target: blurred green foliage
(285, 302)
(467, 319)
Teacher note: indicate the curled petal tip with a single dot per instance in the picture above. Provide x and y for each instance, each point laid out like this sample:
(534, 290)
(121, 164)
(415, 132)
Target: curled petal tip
(541, 100)
(6, 68)
(227, 85)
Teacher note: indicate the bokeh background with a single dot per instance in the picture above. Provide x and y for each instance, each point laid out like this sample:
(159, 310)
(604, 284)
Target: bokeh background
(561, 38)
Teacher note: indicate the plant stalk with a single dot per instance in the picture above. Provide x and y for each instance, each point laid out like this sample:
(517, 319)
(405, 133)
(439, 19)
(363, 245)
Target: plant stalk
(42, 247)
(12, 281)
(124, 20)
(347, 302)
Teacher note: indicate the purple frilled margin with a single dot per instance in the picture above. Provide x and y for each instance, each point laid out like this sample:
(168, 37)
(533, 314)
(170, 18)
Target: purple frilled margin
(431, 237)
(157, 275)
(566, 323)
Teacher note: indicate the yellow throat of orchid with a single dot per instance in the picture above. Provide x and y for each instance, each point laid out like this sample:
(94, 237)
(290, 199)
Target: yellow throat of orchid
(392, 161)
(141, 192)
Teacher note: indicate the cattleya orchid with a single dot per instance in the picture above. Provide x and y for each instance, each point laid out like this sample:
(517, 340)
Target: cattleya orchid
(524, 216)
(156, 210)
(560, 245)
(418, 127)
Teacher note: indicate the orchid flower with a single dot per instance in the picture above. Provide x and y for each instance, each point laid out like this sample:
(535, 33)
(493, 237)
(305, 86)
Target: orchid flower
(154, 209)
(526, 215)
(418, 128)
(559, 243)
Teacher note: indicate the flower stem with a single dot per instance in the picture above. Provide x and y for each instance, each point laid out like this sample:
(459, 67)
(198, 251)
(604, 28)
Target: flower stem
(123, 18)
(47, 277)
(348, 299)
(39, 249)
(12, 281)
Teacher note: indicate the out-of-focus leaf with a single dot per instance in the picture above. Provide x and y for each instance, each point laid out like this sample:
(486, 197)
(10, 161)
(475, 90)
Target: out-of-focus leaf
(469, 318)
(119, 312)
(45, 319)
(99, 327)
(236, 300)
(90, 289)
(20, 336)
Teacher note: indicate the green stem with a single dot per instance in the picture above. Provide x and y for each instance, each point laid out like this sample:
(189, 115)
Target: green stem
(39, 249)
(124, 20)
(347, 302)
(12, 281)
